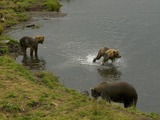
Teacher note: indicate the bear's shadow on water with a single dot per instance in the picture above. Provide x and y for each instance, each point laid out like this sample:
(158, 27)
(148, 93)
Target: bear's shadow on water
(109, 72)
(33, 63)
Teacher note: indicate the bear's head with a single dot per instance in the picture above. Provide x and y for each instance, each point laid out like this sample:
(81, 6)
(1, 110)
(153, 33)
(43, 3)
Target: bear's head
(95, 93)
(112, 53)
(40, 39)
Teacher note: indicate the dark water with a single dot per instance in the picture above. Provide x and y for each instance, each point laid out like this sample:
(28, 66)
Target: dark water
(71, 43)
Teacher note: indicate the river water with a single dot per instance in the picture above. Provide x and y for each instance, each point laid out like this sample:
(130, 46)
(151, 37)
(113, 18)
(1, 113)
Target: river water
(71, 43)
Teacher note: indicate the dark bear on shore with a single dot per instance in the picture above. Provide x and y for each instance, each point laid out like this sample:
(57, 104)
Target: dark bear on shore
(121, 92)
(32, 43)
(107, 54)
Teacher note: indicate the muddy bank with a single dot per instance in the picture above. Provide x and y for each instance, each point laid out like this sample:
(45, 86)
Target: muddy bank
(45, 15)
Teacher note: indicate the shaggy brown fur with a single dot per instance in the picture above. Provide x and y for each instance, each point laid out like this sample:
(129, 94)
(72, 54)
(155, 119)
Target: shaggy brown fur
(32, 43)
(121, 92)
(107, 53)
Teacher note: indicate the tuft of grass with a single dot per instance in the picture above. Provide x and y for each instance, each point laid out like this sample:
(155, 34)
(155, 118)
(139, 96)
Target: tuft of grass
(154, 115)
(1, 28)
(47, 79)
(3, 49)
(11, 95)
(33, 104)
(10, 108)
(53, 5)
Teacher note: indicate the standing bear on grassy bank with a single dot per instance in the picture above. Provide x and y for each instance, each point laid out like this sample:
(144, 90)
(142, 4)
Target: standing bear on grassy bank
(32, 43)
(121, 92)
(108, 54)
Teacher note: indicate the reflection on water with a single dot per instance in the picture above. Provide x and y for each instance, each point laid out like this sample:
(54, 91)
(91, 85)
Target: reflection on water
(109, 73)
(33, 63)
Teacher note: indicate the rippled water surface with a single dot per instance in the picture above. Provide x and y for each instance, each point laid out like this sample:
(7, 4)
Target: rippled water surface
(71, 43)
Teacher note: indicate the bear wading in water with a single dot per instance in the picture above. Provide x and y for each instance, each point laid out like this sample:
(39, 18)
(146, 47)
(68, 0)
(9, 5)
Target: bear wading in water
(121, 92)
(32, 43)
(107, 54)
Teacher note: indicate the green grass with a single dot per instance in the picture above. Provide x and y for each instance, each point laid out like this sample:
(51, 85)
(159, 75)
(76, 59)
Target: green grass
(39, 96)
(8, 44)
(1, 28)
(52, 5)
(13, 11)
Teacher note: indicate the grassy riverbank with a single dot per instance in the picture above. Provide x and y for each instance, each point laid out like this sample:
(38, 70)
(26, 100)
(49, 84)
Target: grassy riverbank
(13, 11)
(38, 96)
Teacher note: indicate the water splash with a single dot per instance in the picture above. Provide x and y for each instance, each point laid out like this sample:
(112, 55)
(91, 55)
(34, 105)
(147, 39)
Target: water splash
(88, 60)
(121, 62)
(85, 60)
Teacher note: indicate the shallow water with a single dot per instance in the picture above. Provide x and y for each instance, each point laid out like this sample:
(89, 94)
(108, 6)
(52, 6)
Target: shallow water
(71, 43)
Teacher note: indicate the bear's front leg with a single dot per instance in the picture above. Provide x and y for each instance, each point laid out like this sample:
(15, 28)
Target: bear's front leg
(31, 52)
(106, 58)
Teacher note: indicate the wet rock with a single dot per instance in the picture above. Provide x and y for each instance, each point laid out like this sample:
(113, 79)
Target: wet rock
(85, 93)
(9, 46)
(31, 26)
(4, 41)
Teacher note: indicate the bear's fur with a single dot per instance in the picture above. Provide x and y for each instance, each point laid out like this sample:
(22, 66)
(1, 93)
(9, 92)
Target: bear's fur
(111, 54)
(107, 54)
(32, 43)
(121, 92)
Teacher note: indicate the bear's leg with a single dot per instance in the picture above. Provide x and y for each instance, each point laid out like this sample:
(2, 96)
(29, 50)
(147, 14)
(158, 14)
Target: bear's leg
(128, 103)
(31, 52)
(106, 97)
(106, 58)
(36, 51)
(113, 60)
(98, 57)
(24, 50)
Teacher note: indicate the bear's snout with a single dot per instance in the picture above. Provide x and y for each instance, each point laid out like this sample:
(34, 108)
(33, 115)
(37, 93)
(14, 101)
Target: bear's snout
(119, 56)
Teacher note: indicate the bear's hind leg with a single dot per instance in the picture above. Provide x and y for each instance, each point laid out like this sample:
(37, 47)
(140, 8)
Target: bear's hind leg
(97, 57)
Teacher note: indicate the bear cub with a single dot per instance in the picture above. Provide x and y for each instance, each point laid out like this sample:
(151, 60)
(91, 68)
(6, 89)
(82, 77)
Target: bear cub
(32, 43)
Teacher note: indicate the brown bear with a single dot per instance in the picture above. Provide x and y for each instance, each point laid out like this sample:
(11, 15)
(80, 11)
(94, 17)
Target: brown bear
(121, 92)
(108, 54)
(26, 42)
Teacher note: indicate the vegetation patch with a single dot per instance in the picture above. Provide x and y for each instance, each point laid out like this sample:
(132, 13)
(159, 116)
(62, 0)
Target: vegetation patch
(9, 107)
(47, 79)
(52, 5)
(14, 11)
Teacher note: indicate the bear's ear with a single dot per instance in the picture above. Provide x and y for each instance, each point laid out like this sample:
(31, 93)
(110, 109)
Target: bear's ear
(39, 36)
